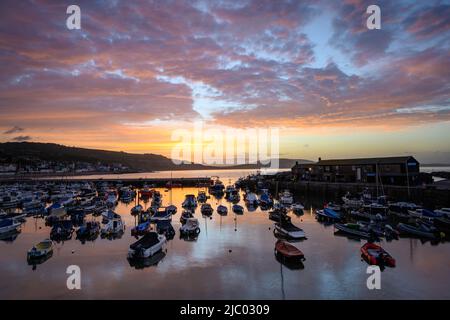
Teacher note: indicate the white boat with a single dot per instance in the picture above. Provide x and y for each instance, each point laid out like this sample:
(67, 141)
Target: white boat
(352, 202)
(251, 199)
(191, 226)
(7, 225)
(286, 198)
(287, 229)
(147, 246)
(41, 249)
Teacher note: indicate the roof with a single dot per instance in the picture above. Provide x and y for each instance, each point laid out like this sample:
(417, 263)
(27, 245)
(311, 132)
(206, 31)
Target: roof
(364, 161)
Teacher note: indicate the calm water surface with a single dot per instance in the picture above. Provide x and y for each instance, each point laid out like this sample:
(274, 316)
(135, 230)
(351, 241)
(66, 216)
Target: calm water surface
(232, 259)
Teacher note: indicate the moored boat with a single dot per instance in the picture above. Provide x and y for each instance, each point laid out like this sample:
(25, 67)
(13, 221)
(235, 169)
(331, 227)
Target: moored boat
(238, 209)
(191, 226)
(141, 228)
(288, 251)
(289, 230)
(376, 255)
(222, 210)
(206, 209)
(147, 246)
(40, 249)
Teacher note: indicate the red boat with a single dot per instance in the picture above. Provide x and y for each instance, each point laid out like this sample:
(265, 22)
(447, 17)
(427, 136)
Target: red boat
(376, 255)
(288, 251)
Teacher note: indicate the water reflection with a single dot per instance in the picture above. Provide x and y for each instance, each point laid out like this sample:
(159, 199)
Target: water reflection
(233, 252)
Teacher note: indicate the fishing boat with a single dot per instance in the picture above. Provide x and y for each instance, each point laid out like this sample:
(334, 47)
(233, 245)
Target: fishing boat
(286, 198)
(376, 255)
(189, 201)
(9, 225)
(55, 212)
(165, 227)
(238, 209)
(186, 215)
(171, 209)
(222, 210)
(206, 209)
(141, 229)
(40, 250)
(354, 229)
(202, 197)
(114, 227)
(420, 230)
(288, 251)
(289, 230)
(161, 215)
(147, 246)
(191, 227)
(89, 230)
(297, 209)
(137, 210)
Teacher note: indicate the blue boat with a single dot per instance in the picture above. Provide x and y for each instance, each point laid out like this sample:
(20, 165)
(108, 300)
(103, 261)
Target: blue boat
(328, 214)
(141, 229)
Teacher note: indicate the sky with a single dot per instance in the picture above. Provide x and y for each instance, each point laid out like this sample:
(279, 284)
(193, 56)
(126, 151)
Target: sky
(137, 71)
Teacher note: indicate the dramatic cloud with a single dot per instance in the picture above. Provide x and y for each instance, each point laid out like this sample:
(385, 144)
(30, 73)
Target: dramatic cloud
(137, 65)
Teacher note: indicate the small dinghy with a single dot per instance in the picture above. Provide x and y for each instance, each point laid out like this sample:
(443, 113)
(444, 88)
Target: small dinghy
(191, 227)
(161, 215)
(376, 255)
(137, 210)
(141, 229)
(186, 215)
(40, 250)
(206, 209)
(238, 209)
(288, 251)
(109, 215)
(222, 210)
(289, 230)
(202, 197)
(89, 230)
(147, 246)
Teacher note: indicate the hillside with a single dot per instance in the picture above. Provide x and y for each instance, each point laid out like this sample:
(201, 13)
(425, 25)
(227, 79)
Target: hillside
(32, 151)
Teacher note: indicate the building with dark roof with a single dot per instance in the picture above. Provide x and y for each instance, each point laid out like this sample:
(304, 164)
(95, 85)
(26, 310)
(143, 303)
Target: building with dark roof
(386, 170)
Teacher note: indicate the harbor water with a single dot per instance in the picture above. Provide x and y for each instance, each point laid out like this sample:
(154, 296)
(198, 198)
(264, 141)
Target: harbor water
(232, 258)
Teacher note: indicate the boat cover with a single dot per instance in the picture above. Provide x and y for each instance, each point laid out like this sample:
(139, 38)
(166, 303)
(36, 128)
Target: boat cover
(147, 241)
